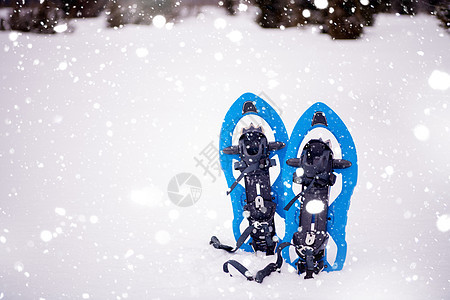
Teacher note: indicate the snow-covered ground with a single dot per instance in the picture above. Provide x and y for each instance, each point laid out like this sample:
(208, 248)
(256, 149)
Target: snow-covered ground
(94, 125)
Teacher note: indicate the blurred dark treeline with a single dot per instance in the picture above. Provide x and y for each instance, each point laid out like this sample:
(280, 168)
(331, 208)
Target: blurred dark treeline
(341, 19)
(344, 19)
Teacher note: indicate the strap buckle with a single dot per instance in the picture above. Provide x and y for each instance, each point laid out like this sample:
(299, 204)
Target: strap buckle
(302, 249)
(258, 224)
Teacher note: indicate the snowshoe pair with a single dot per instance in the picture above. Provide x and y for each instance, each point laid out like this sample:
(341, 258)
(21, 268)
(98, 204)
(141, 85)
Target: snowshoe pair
(310, 223)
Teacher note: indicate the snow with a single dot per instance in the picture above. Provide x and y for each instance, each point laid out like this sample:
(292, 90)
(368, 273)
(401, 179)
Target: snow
(162, 237)
(443, 223)
(315, 206)
(61, 28)
(220, 23)
(46, 236)
(95, 124)
(364, 2)
(439, 80)
(159, 21)
(235, 36)
(421, 132)
(141, 52)
(306, 13)
(321, 4)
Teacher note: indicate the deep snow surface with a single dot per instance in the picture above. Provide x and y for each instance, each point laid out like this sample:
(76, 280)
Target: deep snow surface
(93, 126)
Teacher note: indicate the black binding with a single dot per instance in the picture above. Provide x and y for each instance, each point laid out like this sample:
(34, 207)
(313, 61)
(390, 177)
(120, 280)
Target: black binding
(317, 165)
(254, 164)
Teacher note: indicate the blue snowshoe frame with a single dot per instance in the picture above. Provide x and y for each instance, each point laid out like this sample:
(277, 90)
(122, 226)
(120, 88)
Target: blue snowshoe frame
(233, 116)
(337, 211)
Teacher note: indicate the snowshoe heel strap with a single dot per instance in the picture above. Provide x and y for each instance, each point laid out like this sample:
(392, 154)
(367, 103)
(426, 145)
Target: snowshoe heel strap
(241, 240)
(261, 274)
(288, 206)
(238, 266)
(218, 245)
(272, 267)
(249, 169)
(269, 269)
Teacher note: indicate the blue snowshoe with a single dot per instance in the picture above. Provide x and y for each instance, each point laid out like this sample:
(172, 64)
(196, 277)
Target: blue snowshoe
(312, 221)
(253, 157)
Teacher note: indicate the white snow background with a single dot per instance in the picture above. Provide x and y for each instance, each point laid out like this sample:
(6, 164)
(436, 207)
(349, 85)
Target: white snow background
(94, 124)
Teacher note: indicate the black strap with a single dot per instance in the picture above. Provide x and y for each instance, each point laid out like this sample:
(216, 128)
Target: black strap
(218, 245)
(320, 178)
(309, 258)
(261, 274)
(238, 266)
(288, 206)
(269, 269)
(241, 240)
(272, 267)
(249, 169)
